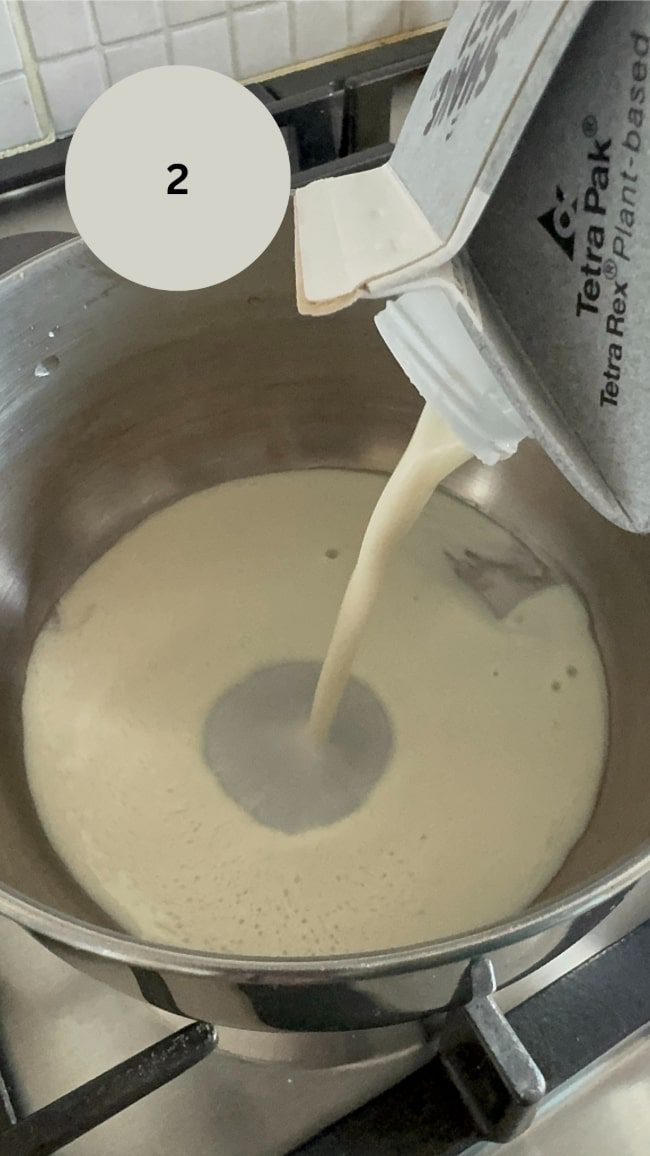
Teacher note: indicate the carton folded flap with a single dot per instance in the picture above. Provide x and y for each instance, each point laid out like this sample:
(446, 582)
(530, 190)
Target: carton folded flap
(352, 230)
(373, 232)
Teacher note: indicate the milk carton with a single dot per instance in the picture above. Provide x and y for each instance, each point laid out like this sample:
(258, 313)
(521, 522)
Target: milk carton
(511, 232)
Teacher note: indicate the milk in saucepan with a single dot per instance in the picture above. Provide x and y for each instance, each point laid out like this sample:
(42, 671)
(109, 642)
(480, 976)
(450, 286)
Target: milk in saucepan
(499, 726)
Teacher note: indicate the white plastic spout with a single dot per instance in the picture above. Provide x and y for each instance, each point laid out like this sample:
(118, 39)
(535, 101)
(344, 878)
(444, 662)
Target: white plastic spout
(424, 333)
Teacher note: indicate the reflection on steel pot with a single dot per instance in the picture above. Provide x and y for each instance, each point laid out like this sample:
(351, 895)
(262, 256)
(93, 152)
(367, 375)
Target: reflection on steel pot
(151, 396)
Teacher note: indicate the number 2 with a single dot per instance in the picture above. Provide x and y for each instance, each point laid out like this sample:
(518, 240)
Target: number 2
(182, 173)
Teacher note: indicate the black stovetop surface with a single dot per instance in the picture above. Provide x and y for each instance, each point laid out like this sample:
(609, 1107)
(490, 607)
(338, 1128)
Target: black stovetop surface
(565, 1027)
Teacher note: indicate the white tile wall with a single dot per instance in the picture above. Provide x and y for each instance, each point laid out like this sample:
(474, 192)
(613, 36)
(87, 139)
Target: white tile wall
(261, 37)
(76, 48)
(126, 19)
(185, 11)
(207, 44)
(23, 120)
(135, 55)
(20, 126)
(322, 26)
(372, 19)
(71, 84)
(59, 26)
(10, 57)
(420, 13)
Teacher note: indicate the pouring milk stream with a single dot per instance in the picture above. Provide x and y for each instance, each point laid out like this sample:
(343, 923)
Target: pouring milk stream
(433, 452)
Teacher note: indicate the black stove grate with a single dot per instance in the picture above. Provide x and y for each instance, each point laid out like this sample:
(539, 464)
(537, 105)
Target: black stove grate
(564, 1028)
(567, 1026)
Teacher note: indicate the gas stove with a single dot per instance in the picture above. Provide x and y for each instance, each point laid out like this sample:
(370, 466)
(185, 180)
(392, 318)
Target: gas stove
(90, 1071)
(74, 1051)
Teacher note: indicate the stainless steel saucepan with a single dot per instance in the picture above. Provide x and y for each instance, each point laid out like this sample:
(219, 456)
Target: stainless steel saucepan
(114, 401)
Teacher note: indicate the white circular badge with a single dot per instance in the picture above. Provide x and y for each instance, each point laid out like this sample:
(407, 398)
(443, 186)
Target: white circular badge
(177, 178)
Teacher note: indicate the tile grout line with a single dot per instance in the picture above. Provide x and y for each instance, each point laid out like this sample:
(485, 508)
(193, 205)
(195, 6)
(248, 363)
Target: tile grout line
(90, 8)
(31, 69)
(214, 17)
(13, 75)
(165, 30)
(255, 4)
(232, 37)
(137, 39)
(91, 50)
(293, 30)
(348, 22)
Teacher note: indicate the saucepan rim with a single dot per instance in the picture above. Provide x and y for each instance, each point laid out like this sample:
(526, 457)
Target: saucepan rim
(49, 924)
(80, 935)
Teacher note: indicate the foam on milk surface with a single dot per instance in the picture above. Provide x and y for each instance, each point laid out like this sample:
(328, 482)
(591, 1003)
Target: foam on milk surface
(495, 768)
